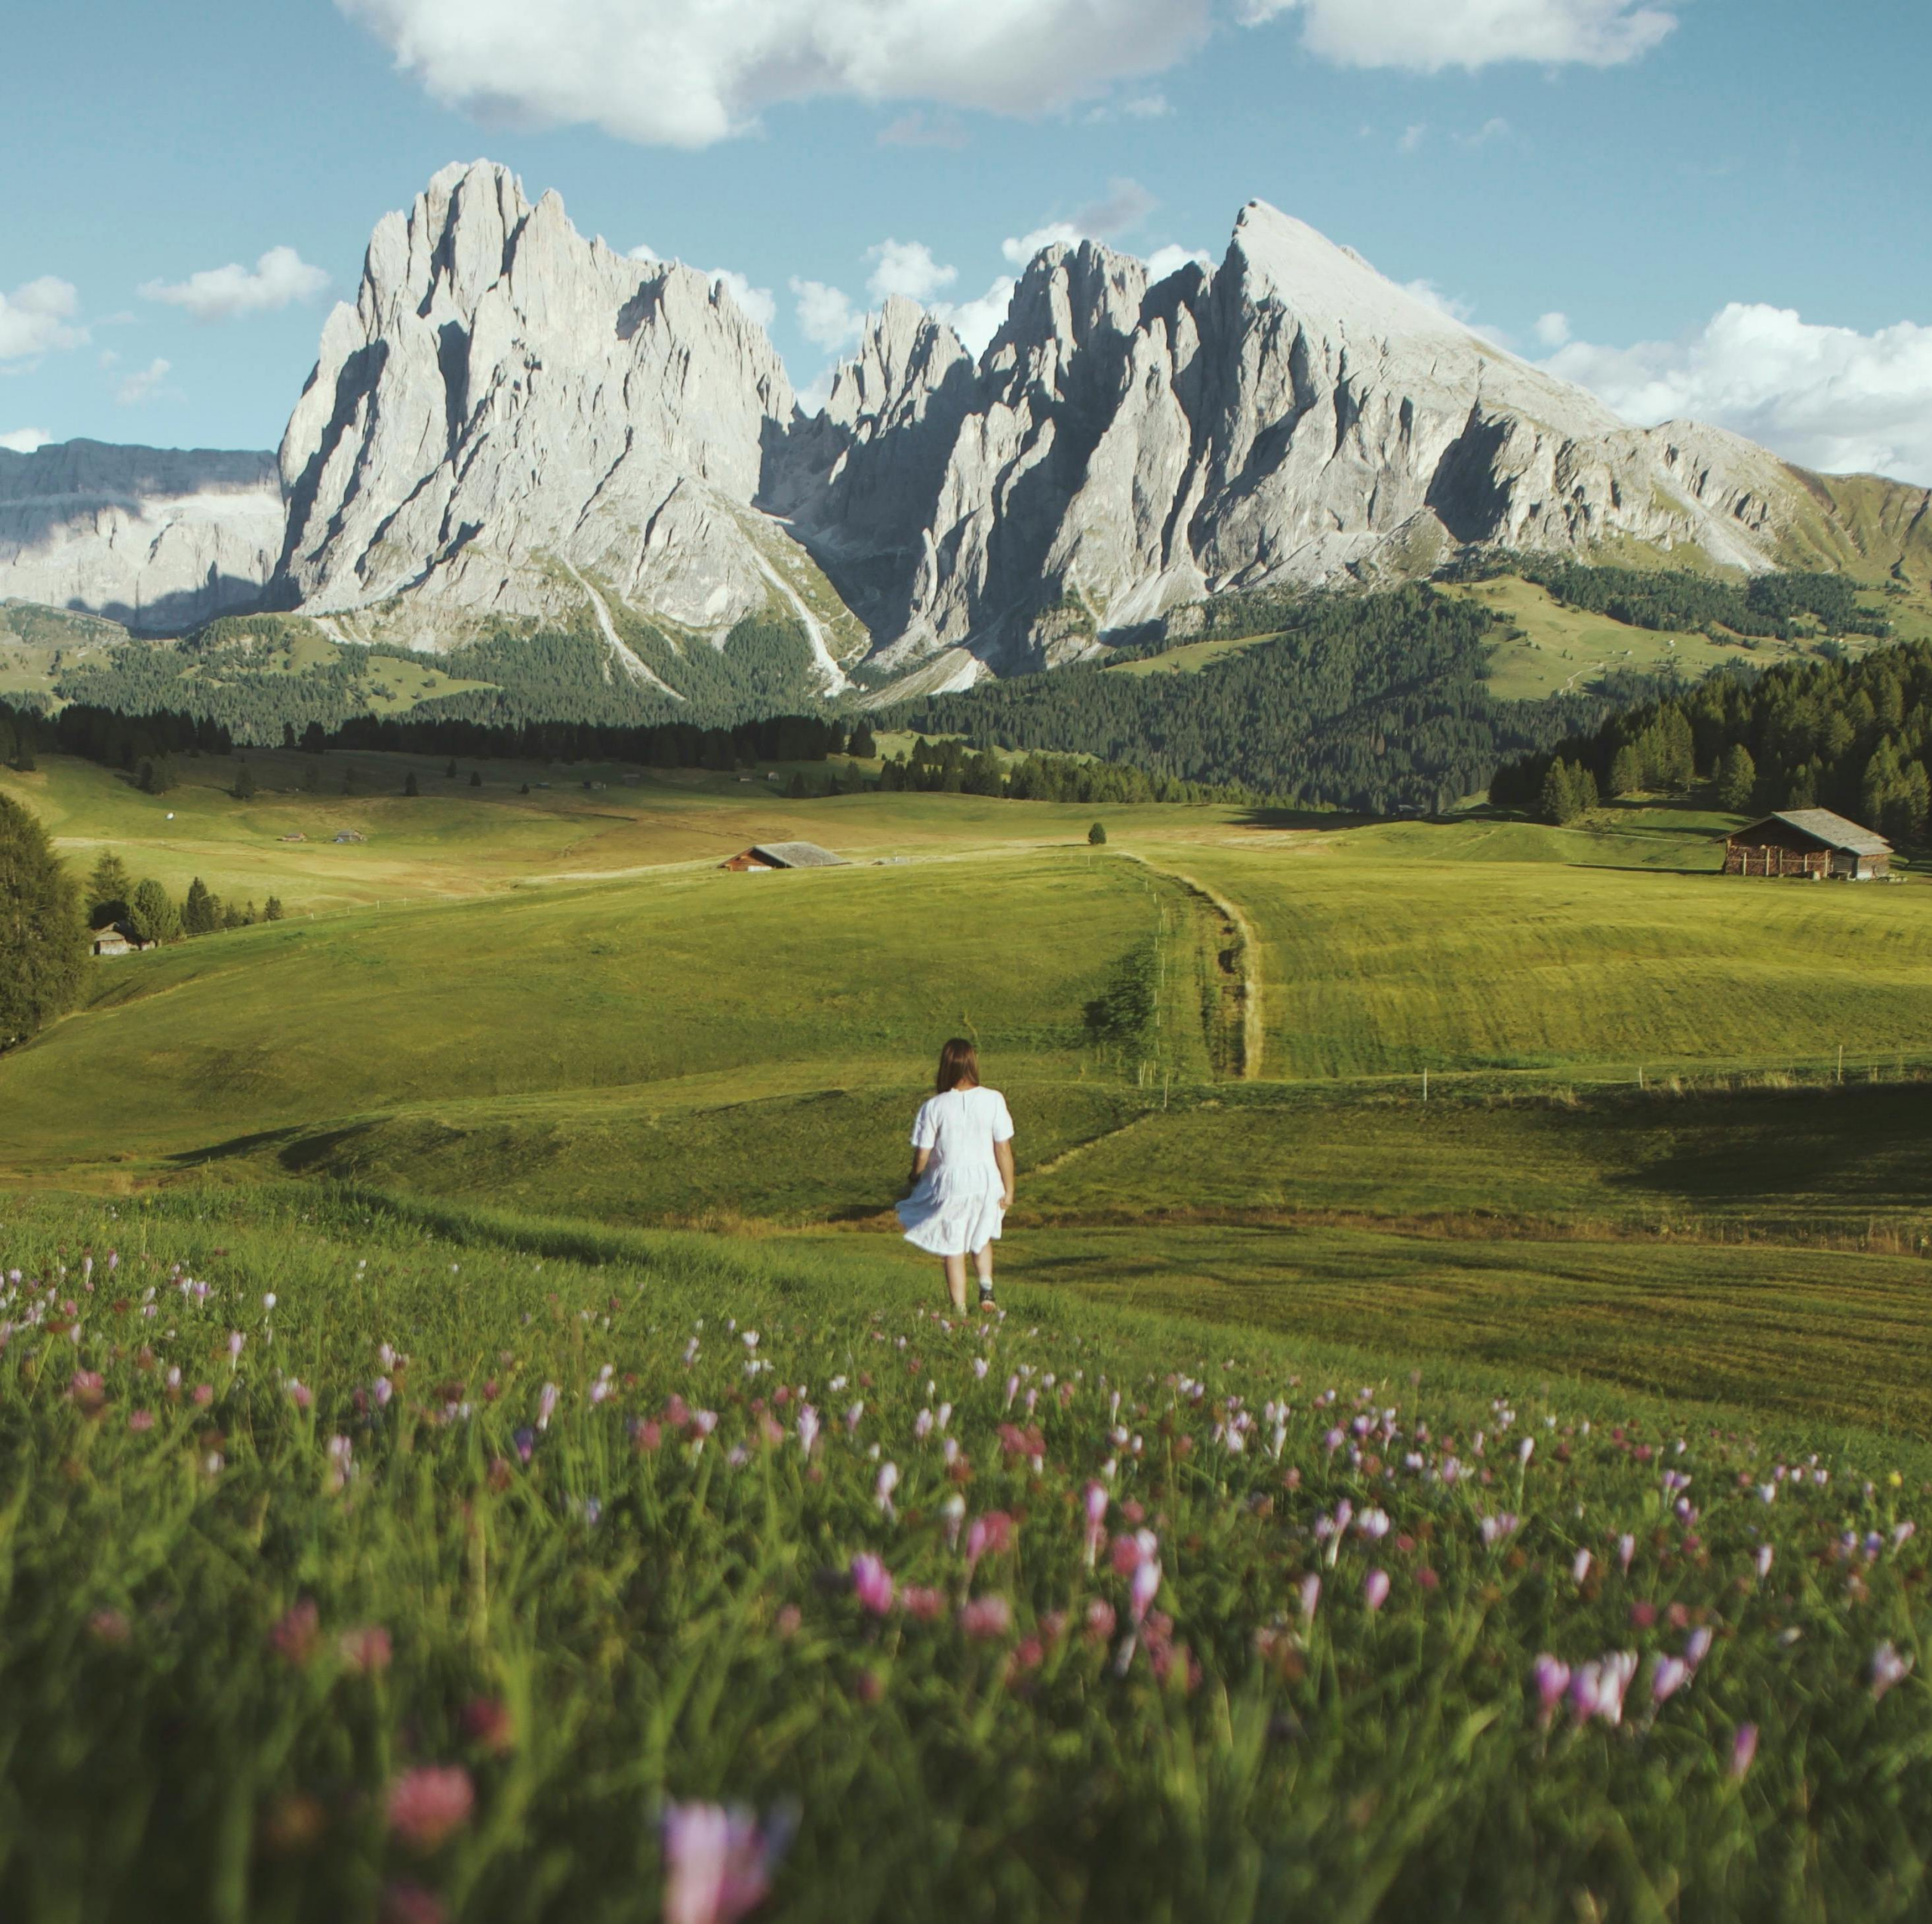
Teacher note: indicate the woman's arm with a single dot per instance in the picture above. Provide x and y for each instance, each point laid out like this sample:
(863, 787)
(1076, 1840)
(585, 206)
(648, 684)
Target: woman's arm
(921, 1157)
(1003, 1155)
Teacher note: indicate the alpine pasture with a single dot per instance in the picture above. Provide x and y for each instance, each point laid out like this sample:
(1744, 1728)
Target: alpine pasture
(465, 1411)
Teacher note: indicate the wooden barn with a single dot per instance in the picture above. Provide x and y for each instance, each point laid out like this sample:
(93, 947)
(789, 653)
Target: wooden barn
(1808, 844)
(766, 856)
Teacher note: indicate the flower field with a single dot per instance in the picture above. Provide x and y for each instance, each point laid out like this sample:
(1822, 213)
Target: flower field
(350, 1570)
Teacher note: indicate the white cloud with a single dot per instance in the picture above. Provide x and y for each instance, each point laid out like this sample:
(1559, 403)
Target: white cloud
(643, 250)
(1827, 398)
(25, 440)
(1055, 233)
(1146, 106)
(976, 322)
(137, 388)
(1427, 35)
(280, 277)
(907, 268)
(688, 72)
(1552, 329)
(1166, 260)
(37, 317)
(826, 317)
(754, 304)
(1414, 136)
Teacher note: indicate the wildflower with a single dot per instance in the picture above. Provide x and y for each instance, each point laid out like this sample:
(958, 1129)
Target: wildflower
(980, 1367)
(988, 1536)
(1580, 1568)
(887, 1481)
(383, 1390)
(141, 1419)
(1597, 1690)
(986, 1616)
(235, 1339)
(1626, 1548)
(1144, 1587)
(1373, 1524)
(1375, 1588)
(1552, 1678)
(86, 1391)
(1495, 1529)
(486, 1722)
(1012, 1390)
(871, 1583)
(922, 1426)
(1131, 1552)
(1888, 1668)
(808, 1425)
(295, 1635)
(1525, 1449)
(925, 1604)
(954, 1510)
(1763, 1560)
(108, 1625)
(1697, 1646)
(340, 1451)
(405, 1903)
(718, 1863)
(268, 1301)
(546, 1405)
(1310, 1595)
(525, 1442)
(366, 1651)
(853, 1417)
(429, 1804)
(1668, 1675)
(1096, 1503)
(1743, 1748)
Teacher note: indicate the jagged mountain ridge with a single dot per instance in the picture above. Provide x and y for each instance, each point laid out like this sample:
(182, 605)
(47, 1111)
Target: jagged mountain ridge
(158, 539)
(512, 425)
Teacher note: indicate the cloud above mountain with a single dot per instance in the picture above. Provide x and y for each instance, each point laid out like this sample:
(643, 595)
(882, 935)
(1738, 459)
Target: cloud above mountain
(689, 72)
(38, 317)
(1827, 398)
(279, 279)
(1427, 36)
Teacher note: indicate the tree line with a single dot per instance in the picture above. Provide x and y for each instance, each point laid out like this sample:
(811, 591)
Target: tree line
(1853, 736)
(1375, 701)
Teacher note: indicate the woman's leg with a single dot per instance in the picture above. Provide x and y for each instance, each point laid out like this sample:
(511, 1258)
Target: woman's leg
(983, 1262)
(955, 1267)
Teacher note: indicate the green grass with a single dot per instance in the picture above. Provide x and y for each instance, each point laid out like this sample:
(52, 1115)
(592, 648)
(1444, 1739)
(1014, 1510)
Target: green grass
(1190, 657)
(221, 1661)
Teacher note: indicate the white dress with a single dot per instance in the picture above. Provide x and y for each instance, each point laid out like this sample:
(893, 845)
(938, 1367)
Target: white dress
(955, 1210)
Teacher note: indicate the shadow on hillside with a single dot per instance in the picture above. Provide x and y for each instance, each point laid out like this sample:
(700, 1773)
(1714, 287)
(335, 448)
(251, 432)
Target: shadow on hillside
(234, 1147)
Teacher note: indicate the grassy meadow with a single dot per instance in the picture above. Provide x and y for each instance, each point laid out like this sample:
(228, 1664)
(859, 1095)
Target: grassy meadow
(438, 1586)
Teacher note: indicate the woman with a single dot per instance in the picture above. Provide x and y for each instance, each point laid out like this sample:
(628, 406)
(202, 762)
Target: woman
(962, 1172)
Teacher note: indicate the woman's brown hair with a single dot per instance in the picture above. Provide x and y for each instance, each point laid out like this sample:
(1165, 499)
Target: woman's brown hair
(958, 1062)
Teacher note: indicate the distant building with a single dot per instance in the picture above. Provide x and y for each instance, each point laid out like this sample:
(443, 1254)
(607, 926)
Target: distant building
(116, 939)
(349, 835)
(783, 855)
(1808, 844)
(297, 836)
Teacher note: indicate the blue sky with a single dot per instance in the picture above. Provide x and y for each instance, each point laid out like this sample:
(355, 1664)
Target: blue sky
(1674, 180)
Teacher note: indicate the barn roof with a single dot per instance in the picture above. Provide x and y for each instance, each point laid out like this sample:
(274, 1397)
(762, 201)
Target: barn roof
(1834, 831)
(797, 855)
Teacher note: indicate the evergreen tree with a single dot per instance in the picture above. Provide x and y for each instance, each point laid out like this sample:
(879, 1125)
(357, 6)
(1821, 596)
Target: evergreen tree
(108, 892)
(476, 777)
(313, 740)
(157, 774)
(43, 935)
(1097, 835)
(232, 917)
(796, 788)
(410, 785)
(449, 773)
(271, 909)
(1626, 771)
(200, 913)
(1737, 779)
(244, 783)
(153, 914)
(863, 745)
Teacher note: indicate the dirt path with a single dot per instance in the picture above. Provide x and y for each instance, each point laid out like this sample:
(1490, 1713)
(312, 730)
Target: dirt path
(1241, 964)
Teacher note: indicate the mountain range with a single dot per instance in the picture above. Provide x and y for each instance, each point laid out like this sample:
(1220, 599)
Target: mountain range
(513, 427)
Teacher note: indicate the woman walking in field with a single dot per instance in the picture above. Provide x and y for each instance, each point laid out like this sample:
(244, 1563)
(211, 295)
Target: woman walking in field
(962, 1172)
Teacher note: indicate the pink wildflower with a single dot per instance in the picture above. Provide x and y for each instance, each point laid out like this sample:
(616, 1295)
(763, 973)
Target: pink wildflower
(926, 1604)
(807, 1426)
(986, 1616)
(1888, 1668)
(546, 1405)
(1101, 1621)
(887, 1481)
(1310, 1595)
(1142, 1590)
(1552, 1678)
(1743, 1748)
(293, 1639)
(1375, 1588)
(987, 1536)
(430, 1804)
(718, 1864)
(366, 1650)
(1668, 1675)
(1580, 1568)
(871, 1583)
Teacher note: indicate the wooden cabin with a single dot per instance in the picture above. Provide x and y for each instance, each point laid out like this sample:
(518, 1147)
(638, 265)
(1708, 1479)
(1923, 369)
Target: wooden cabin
(116, 939)
(1808, 844)
(764, 856)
